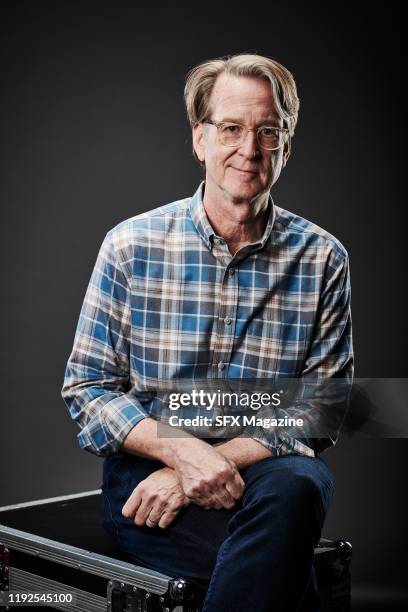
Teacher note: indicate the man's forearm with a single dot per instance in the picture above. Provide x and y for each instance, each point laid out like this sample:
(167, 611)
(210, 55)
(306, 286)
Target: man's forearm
(144, 440)
(243, 451)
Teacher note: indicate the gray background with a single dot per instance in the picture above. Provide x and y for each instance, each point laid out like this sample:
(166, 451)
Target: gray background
(93, 131)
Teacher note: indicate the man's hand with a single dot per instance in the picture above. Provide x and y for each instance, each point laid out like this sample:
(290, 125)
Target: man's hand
(156, 500)
(208, 479)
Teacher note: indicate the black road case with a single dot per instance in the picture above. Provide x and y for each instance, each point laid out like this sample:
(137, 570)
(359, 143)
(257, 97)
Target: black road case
(55, 554)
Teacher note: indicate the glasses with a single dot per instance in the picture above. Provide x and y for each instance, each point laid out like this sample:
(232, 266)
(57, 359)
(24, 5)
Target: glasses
(234, 134)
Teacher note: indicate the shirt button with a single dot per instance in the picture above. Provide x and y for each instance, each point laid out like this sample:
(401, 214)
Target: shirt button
(221, 365)
(228, 321)
(231, 271)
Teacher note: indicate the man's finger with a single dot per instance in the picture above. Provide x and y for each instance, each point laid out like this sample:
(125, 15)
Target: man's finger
(132, 504)
(154, 516)
(208, 502)
(236, 486)
(166, 519)
(225, 498)
(143, 512)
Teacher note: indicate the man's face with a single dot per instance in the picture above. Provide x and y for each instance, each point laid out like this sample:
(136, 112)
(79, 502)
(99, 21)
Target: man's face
(243, 172)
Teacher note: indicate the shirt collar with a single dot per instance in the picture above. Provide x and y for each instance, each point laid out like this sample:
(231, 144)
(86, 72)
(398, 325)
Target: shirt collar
(203, 226)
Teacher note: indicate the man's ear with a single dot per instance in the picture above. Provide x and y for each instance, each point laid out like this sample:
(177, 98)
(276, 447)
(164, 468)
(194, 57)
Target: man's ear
(287, 147)
(198, 141)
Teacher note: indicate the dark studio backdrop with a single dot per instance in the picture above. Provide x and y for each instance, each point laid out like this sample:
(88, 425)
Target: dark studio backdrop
(93, 131)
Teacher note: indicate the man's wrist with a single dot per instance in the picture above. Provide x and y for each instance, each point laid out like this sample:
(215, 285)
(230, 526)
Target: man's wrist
(243, 451)
(176, 450)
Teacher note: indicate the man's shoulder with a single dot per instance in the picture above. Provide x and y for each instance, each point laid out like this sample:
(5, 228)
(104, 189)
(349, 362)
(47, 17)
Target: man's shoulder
(296, 227)
(149, 227)
(155, 218)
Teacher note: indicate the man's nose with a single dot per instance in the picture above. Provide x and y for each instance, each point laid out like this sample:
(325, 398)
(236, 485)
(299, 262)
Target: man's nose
(249, 146)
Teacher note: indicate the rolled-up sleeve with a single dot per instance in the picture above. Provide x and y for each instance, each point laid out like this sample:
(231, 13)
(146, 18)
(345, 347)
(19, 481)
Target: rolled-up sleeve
(97, 389)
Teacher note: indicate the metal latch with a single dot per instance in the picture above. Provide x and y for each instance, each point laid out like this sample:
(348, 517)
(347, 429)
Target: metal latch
(122, 597)
(4, 567)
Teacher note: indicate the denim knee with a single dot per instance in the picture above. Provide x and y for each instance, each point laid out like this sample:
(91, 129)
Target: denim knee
(296, 485)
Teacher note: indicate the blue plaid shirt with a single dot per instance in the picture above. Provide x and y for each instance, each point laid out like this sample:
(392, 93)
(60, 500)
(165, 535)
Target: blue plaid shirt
(168, 301)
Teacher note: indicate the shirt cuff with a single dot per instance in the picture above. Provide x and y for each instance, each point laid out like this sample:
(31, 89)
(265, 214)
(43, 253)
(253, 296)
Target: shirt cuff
(105, 432)
(281, 446)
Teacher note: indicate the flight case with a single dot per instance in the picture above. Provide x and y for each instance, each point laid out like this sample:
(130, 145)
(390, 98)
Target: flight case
(55, 554)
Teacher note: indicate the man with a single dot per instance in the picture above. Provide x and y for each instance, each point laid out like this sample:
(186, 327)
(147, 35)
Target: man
(222, 285)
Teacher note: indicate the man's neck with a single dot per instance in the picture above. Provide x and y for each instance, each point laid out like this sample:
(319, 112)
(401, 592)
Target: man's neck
(239, 223)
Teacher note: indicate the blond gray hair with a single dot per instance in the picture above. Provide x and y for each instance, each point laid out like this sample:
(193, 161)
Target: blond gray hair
(201, 79)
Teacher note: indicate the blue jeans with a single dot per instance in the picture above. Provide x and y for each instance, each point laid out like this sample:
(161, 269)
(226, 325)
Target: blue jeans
(257, 556)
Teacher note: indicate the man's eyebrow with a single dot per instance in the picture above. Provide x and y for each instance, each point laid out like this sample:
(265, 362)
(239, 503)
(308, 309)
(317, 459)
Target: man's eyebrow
(269, 122)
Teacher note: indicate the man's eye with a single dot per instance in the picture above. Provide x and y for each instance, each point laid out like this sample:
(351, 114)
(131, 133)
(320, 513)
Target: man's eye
(232, 129)
(267, 131)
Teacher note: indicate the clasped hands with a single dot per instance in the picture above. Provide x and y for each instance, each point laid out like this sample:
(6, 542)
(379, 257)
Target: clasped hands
(198, 474)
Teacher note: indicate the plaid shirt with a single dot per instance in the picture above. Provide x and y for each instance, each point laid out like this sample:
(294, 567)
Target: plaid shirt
(168, 301)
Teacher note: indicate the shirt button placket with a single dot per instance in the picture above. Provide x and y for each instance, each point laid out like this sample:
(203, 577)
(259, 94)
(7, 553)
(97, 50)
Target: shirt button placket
(227, 320)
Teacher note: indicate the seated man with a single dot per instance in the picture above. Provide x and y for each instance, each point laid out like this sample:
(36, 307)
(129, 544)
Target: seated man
(221, 285)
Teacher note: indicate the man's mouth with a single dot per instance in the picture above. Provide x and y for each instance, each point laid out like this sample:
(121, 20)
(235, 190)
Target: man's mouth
(245, 172)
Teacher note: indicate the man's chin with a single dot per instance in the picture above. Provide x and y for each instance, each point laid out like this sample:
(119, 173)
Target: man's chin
(244, 190)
